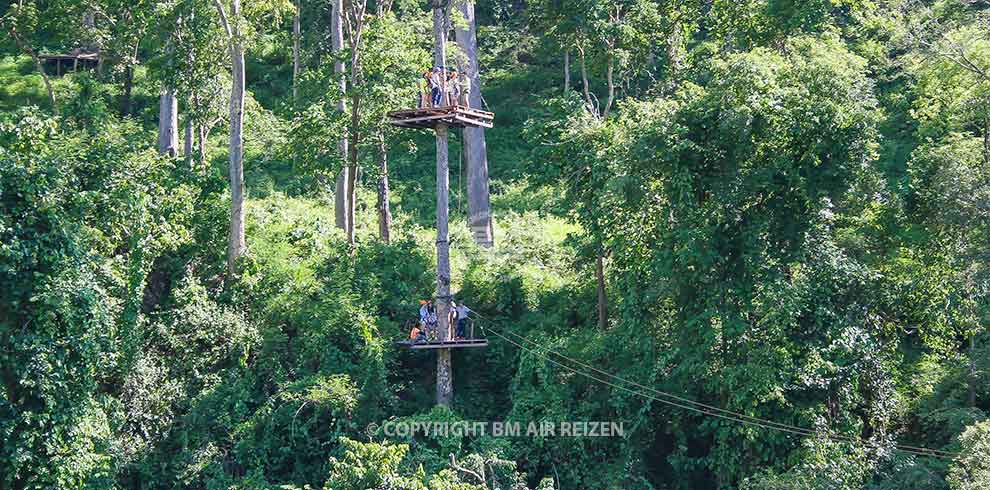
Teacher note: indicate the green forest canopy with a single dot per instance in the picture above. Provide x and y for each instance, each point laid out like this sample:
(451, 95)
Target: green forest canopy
(778, 210)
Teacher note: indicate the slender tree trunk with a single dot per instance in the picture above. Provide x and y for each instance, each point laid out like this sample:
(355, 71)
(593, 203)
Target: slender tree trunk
(602, 300)
(37, 63)
(439, 34)
(567, 71)
(986, 142)
(384, 211)
(168, 123)
(336, 46)
(188, 148)
(236, 245)
(353, 164)
(296, 35)
(445, 373)
(475, 147)
(125, 99)
(126, 102)
(611, 84)
(972, 370)
(357, 26)
(89, 26)
(200, 130)
(675, 55)
(201, 144)
(584, 77)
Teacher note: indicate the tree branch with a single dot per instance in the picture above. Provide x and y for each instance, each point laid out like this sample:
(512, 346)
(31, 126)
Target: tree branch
(224, 20)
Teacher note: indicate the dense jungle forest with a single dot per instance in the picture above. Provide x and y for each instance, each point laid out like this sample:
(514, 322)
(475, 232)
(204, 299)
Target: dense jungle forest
(755, 234)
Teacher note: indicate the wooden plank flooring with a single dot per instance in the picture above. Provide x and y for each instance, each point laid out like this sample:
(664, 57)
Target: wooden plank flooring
(453, 116)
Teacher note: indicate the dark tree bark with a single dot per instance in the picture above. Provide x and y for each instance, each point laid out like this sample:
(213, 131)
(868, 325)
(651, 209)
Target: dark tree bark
(125, 99)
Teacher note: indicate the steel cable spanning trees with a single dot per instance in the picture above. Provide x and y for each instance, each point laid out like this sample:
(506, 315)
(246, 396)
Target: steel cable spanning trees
(699, 407)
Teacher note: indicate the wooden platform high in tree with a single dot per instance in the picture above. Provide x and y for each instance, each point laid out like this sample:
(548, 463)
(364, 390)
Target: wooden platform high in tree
(448, 344)
(457, 116)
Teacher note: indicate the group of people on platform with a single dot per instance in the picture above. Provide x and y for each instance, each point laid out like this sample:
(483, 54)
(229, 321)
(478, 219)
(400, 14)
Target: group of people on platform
(439, 89)
(429, 322)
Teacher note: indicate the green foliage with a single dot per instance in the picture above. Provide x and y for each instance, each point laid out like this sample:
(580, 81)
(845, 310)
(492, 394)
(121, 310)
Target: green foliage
(789, 200)
(971, 470)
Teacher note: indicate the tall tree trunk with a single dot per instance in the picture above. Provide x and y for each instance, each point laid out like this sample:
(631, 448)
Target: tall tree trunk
(611, 84)
(343, 179)
(986, 142)
(236, 244)
(445, 373)
(972, 370)
(584, 78)
(125, 98)
(357, 26)
(201, 144)
(188, 148)
(567, 71)
(384, 211)
(602, 300)
(168, 123)
(439, 34)
(675, 56)
(353, 162)
(296, 35)
(475, 148)
(445, 384)
(200, 130)
(237, 241)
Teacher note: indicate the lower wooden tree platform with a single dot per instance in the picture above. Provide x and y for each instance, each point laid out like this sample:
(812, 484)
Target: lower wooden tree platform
(457, 116)
(450, 344)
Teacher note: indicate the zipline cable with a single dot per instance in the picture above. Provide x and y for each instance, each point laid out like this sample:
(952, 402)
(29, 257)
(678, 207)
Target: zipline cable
(729, 412)
(705, 409)
(718, 409)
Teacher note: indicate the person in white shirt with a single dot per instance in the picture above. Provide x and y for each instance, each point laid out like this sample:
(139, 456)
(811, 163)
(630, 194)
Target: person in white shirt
(462, 312)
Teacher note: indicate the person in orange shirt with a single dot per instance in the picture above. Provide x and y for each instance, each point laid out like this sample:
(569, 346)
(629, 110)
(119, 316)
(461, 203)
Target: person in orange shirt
(417, 334)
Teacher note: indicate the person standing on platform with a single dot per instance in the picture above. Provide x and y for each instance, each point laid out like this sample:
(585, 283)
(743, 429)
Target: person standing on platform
(436, 86)
(465, 89)
(462, 317)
